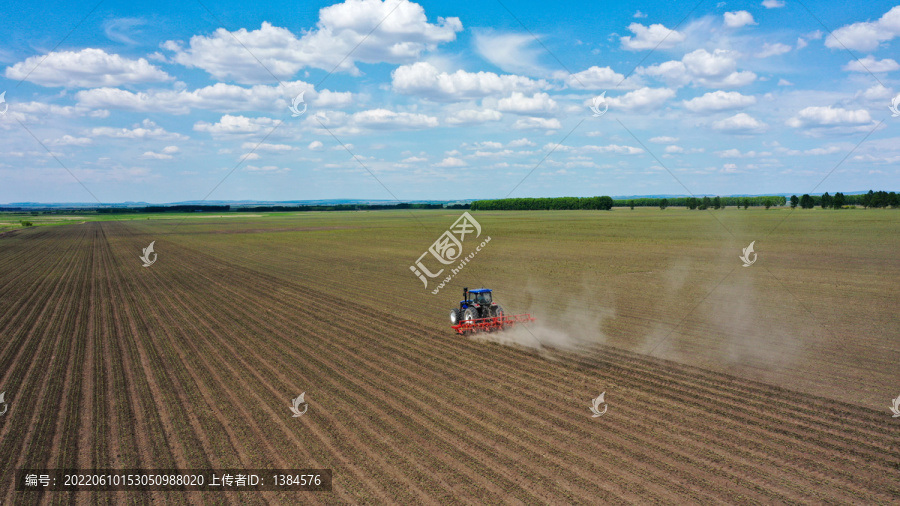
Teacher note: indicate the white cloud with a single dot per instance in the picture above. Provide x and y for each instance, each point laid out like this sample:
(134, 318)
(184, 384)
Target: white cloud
(510, 52)
(369, 31)
(598, 78)
(738, 19)
(835, 118)
(451, 161)
(644, 99)
(68, 140)
(274, 148)
(876, 92)
(87, 68)
(120, 29)
(473, 117)
(784, 82)
(664, 139)
(639, 15)
(338, 99)
(653, 37)
(219, 97)
(519, 143)
(867, 35)
(164, 154)
(713, 70)
(236, 125)
(537, 123)
(773, 50)
(425, 80)
(314, 146)
(870, 64)
(740, 123)
(146, 130)
(268, 169)
(383, 118)
(540, 104)
(719, 101)
(156, 156)
(772, 4)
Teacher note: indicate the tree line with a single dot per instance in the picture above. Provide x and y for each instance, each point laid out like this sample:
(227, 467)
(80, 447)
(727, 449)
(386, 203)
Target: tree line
(603, 203)
(703, 203)
(839, 200)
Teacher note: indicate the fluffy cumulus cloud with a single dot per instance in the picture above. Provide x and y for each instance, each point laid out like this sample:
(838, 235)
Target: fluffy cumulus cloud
(219, 97)
(537, 123)
(368, 31)
(87, 68)
(600, 78)
(539, 104)
(69, 140)
(473, 117)
(866, 35)
(871, 64)
(717, 69)
(451, 161)
(383, 118)
(146, 130)
(819, 120)
(236, 125)
(651, 37)
(644, 99)
(738, 19)
(719, 101)
(740, 123)
(341, 123)
(165, 154)
(425, 80)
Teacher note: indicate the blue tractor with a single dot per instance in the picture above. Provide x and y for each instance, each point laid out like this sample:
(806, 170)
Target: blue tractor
(476, 304)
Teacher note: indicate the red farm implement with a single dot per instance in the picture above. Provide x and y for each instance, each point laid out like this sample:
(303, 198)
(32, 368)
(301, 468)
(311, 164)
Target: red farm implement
(491, 324)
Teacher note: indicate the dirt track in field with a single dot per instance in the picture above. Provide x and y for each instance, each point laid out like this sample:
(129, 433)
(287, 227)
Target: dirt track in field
(192, 364)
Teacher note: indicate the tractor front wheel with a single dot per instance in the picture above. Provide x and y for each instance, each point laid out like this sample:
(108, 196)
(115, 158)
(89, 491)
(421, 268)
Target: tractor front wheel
(470, 314)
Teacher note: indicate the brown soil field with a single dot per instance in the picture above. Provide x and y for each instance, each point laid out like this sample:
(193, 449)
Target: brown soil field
(723, 385)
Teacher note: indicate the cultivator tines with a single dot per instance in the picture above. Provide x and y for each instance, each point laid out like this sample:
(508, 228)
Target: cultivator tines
(491, 324)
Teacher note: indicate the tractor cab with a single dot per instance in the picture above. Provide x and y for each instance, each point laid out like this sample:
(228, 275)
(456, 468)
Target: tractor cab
(479, 297)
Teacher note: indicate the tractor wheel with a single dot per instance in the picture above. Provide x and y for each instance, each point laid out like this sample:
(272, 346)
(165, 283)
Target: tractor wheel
(454, 316)
(470, 314)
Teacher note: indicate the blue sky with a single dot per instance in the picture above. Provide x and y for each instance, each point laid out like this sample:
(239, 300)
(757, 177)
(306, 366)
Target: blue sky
(169, 101)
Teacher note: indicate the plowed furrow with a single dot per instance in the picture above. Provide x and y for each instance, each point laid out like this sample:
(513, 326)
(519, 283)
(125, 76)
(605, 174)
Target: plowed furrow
(372, 367)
